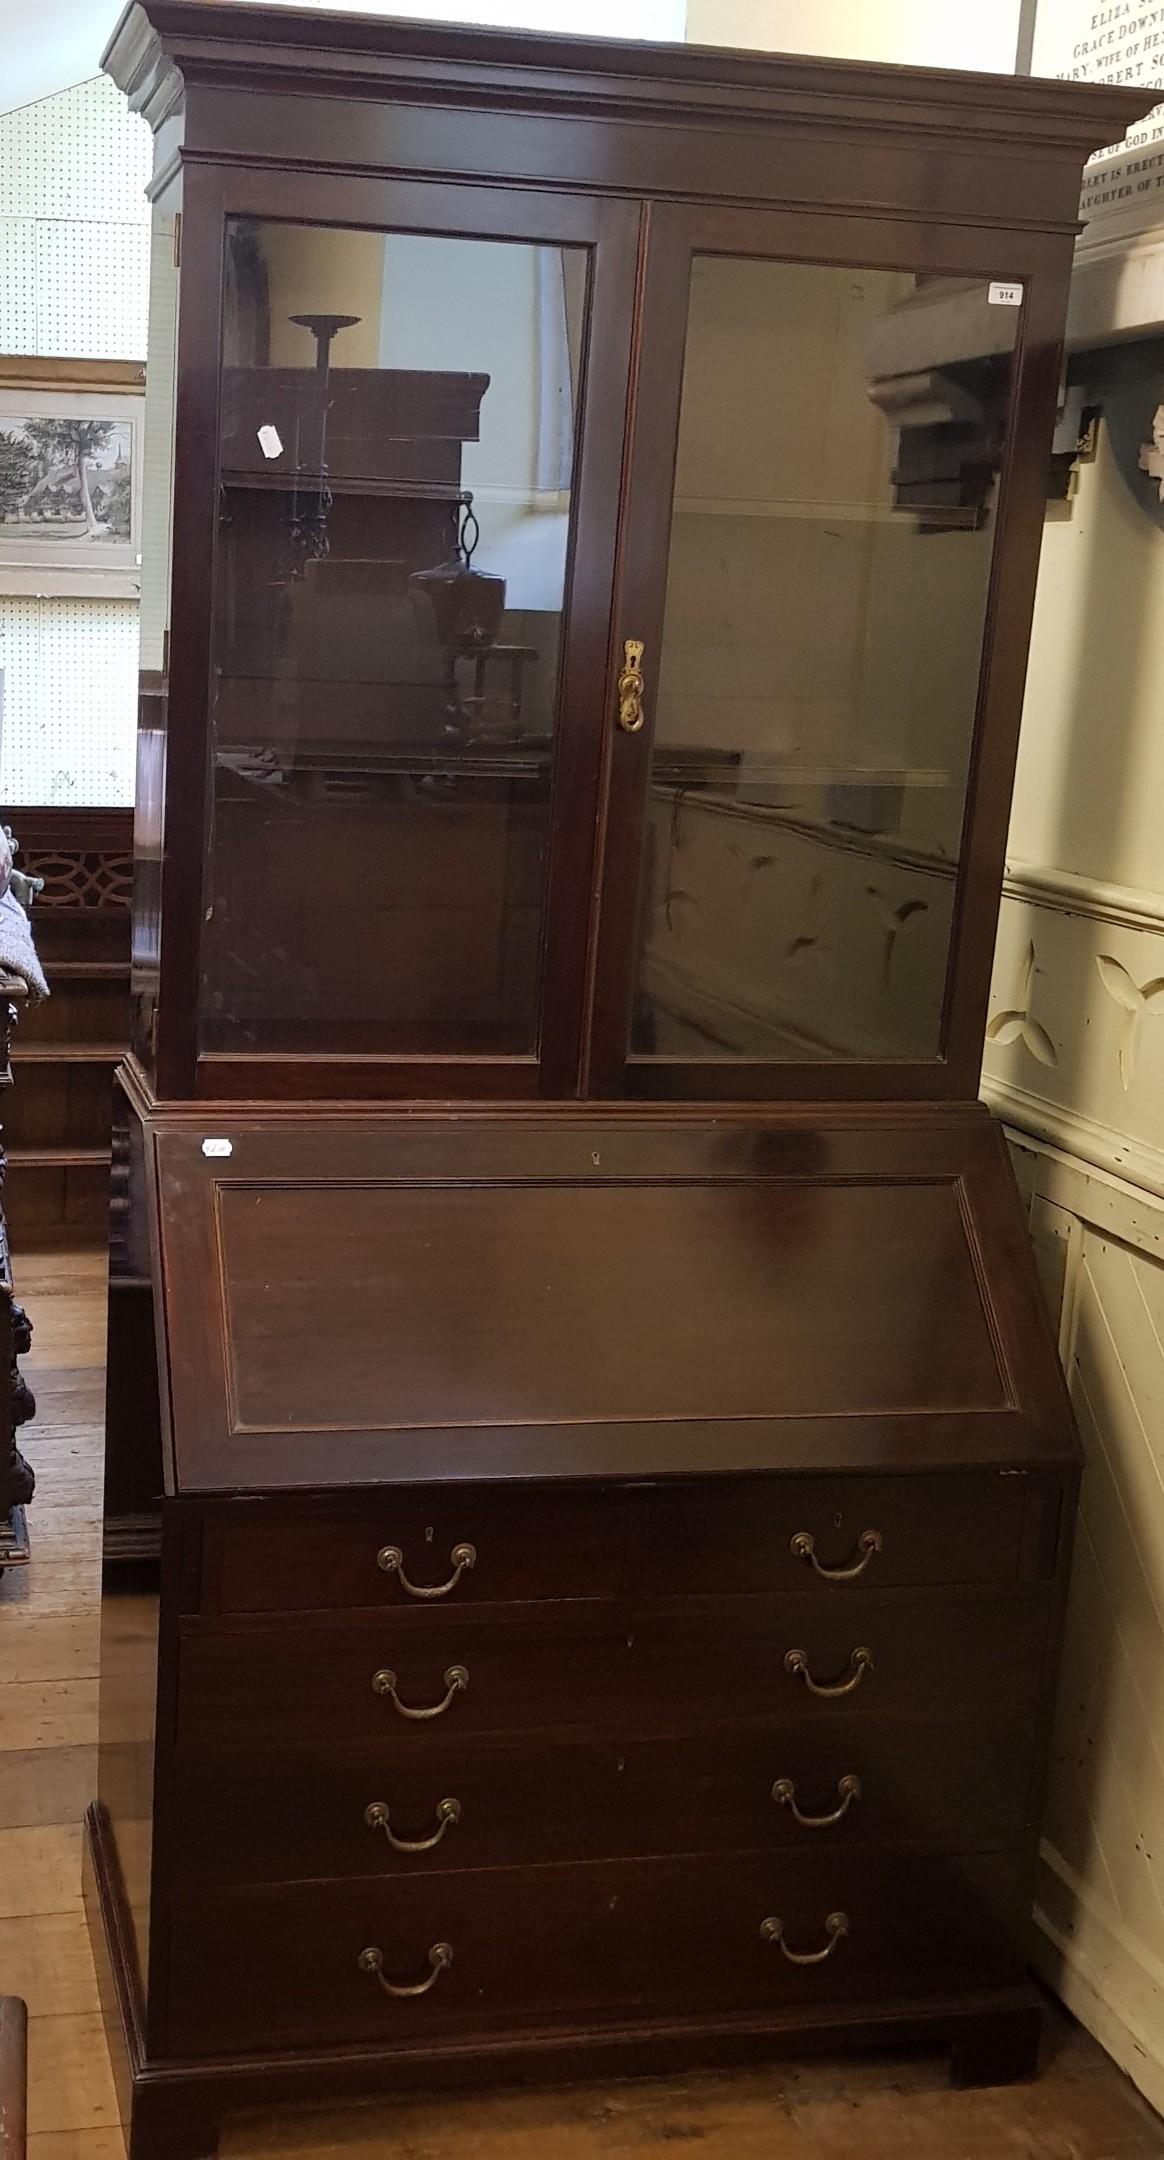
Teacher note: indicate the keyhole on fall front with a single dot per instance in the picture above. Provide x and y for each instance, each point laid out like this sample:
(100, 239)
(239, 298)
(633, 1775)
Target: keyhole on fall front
(428, 1535)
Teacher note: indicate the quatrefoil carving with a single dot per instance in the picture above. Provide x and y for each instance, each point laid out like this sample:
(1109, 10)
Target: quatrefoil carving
(1017, 1024)
(1134, 1000)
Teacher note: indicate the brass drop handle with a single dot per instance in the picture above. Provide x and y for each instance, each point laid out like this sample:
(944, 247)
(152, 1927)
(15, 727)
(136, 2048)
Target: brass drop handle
(462, 1558)
(869, 1542)
(376, 1816)
(456, 1681)
(848, 1790)
(860, 1662)
(836, 1927)
(440, 1957)
(630, 687)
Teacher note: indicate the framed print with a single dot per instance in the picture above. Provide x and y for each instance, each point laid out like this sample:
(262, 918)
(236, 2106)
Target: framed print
(70, 478)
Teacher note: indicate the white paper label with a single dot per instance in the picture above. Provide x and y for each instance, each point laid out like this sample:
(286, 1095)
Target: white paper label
(270, 444)
(1005, 295)
(217, 1147)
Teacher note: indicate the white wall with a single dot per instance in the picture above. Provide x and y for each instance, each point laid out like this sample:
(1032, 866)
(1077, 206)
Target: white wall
(74, 241)
(49, 44)
(650, 19)
(922, 33)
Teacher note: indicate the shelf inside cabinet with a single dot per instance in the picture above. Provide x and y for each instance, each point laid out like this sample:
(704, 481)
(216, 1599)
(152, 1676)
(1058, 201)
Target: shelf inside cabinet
(907, 515)
(308, 483)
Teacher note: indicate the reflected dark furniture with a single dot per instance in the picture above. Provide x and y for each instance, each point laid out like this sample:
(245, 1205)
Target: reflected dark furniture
(610, 1479)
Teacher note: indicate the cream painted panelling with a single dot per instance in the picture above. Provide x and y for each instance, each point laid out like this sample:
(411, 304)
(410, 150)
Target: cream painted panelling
(1075, 1063)
(1075, 1039)
(1100, 1891)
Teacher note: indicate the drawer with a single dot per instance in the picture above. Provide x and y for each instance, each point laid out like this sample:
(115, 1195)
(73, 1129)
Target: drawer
(762, 1929)
(526, 1944)
(871, 1656)
(634, 1672)
(329, 1679)
(304, 1814)
(537, 1946)
(259, 1557)
(803, 1532)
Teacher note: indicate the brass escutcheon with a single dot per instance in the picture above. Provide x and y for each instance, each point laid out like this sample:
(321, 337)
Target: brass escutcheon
(630, 687)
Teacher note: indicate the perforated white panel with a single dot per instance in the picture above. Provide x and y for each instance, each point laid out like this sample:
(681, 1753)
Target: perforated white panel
(92, 290)
(81, 154)
(74, 270)
(70, 677)
(17, 284)
(74, 225)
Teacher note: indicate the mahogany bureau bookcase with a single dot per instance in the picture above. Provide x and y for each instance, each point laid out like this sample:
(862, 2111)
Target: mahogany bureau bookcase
(590, 1486)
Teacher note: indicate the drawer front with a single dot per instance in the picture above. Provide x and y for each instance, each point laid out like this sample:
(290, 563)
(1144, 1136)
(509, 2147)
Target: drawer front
(456, 1546)
(332, 1681)
(435, 1548)
(535, 1947)
(526, 1945)
(869, 1656)
(782, 1929)
(381, 1811)
(796, 1533)
(641, 1673)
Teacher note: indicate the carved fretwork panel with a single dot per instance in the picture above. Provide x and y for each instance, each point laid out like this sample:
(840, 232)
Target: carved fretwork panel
(85, 880)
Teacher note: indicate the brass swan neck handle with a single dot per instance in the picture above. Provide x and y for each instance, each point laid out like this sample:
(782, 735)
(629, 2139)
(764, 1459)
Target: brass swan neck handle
(456, 1681)
(440, 1957)
(462, 1558)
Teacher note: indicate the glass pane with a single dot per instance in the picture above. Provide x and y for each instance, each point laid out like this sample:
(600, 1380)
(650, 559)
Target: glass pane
(839, 446)
(397, 446)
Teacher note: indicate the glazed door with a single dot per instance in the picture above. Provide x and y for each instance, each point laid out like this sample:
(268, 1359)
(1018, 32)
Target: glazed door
(816, 634)
(420, 420)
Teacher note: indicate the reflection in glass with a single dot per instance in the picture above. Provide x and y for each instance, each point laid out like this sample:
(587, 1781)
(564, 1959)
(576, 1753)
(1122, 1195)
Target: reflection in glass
(840, 440)
(397, 445)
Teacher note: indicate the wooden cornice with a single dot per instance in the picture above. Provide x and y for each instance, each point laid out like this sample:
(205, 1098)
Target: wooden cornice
(160, 47)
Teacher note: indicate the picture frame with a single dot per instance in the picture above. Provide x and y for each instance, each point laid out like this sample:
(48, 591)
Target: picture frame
(71, 478)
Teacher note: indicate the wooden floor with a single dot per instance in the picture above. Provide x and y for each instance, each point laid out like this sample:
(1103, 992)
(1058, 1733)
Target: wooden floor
(1080, 2109)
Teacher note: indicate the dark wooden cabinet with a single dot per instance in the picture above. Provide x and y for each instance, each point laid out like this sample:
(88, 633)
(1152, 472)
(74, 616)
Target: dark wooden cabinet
(57, 1126)
(590, 1487)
